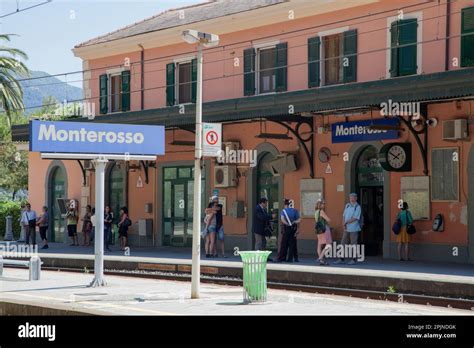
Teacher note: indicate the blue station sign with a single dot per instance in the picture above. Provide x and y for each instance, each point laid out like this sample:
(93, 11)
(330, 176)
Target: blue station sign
(100, 138)
(348, 132)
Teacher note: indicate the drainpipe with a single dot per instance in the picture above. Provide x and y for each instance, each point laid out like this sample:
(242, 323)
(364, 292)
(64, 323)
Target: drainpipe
(448, 22)
(142, 77)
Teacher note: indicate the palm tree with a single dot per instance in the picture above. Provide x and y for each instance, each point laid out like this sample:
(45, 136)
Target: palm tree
(11, 93)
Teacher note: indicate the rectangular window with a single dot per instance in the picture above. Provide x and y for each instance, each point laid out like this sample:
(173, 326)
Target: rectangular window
(184, 83)
(181, 82)
(444, 174)
(467, 37)
(333, 50)
(115, 93)
(266, 70)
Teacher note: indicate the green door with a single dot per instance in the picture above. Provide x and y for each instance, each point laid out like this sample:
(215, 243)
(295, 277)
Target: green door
(116, 198)
(58, 190)
(178, 195)
(267, 186)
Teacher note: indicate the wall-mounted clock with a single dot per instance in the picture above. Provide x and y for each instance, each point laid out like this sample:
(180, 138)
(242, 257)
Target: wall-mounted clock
(396, 157)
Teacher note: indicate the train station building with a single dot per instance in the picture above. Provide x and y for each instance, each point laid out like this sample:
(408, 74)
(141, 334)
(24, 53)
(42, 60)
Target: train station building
(370, 97)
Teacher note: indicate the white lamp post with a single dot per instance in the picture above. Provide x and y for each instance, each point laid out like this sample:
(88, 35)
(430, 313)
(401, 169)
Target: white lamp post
(206, 40)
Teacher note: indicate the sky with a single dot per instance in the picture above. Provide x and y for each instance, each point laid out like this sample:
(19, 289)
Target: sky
(48, 32)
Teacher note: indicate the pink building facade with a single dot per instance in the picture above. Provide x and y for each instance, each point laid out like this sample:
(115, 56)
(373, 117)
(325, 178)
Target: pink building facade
(307, 85)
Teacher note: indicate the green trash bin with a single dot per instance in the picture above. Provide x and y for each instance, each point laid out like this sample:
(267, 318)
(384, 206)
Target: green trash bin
(255, 275)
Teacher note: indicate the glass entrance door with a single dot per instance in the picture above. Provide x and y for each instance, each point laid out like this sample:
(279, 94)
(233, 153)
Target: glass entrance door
(267, 186)
(178, 196)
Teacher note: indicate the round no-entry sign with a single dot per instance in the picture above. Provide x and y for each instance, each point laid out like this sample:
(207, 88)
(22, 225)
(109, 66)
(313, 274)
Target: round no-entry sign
(212, 137)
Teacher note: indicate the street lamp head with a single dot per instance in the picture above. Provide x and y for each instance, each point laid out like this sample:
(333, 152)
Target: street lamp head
(205, 39)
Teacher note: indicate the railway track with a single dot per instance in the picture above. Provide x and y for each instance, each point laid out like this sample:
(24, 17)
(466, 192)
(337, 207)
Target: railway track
(458, 303)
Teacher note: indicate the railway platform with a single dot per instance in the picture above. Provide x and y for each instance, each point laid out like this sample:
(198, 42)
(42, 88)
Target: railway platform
(374, 274)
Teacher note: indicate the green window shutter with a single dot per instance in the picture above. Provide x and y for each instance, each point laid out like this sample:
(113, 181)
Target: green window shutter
(126, 90)
(467, 37)
(407, 53)
(349, 62)
(281, 63)
(170, 93)
(249, 71)
(103, 93)
(314, 44)
(194, 80)
(394, 49)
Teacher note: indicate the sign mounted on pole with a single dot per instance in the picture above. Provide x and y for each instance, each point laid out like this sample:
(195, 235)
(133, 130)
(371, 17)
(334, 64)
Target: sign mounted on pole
(99, 142)
(212, 139)
(93, 137)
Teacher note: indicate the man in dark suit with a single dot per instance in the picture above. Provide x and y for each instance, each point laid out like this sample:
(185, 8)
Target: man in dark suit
(260, 222)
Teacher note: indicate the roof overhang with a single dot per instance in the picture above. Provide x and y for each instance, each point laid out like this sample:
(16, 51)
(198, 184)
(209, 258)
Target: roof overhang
(456, 84)
(250, 19)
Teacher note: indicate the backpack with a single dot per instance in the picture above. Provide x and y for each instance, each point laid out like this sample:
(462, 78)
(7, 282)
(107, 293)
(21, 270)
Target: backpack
(127, 222)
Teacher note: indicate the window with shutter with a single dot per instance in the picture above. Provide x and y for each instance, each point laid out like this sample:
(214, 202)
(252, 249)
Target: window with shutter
(349, 62)
(281, 64)
(193, 80)
(314, 45)
(404, 39)
(125, 90)
(103, 93)
(249, 71)
(170, 84)
(467, 37)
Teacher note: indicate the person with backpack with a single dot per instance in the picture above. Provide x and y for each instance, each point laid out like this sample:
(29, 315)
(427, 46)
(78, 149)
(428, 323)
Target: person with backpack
(351, 221)
(322, 230)
(403, 237)
(123, 226)
(290, 218)
(71, 221)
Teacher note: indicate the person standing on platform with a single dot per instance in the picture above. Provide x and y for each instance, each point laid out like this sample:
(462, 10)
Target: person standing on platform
(290, 218)
(261, 227)
(93, 223)
(123, 226)
(324, 236)
(351, 222)
(28, 220)
(403, 238)
(108, 219)
(22, 227)
(43, 224)
(87, 225)
(71, 221)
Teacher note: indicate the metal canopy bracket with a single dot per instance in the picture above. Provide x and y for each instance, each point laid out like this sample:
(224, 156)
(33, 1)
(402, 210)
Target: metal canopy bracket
(303, 141)
(423, 147)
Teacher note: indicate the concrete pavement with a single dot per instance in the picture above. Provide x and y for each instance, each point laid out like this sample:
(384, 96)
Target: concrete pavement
(65, 291)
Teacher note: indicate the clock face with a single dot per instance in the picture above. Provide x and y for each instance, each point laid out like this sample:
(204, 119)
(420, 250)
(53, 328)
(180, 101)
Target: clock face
(396, 156)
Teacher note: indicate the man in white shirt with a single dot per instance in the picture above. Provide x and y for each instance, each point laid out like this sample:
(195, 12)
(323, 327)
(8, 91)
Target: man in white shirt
(28, 220)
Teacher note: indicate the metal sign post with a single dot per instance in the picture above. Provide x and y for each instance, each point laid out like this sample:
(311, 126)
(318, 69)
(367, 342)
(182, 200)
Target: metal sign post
(99, 280)
(99, 142)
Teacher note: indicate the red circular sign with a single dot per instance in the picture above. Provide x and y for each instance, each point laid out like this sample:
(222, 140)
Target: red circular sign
(212, 137)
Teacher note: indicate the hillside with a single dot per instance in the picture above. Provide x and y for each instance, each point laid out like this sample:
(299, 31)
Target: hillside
(44, 85)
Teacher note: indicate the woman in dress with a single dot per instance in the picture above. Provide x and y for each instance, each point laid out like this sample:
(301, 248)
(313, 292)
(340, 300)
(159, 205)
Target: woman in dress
(403, 238)
(87, 226)
(324, 239)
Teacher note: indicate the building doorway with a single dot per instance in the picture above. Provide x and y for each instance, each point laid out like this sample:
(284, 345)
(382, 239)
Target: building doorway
(116, 185)
(268, 186)
(178, 195)
(57, 190)
(370, 188)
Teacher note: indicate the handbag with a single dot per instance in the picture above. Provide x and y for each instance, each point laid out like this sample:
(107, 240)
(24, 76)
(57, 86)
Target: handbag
(410, 227)
(397, 226)
(320, 226)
